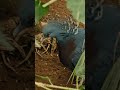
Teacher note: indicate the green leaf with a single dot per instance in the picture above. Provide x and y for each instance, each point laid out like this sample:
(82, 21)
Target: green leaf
(40, 11)
(77, 7)
(37, 2)
(80, 67)
(82, 87)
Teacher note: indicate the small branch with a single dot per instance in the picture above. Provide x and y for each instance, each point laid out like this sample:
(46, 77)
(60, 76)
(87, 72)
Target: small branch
(5, 62)
(27, 57)
(20, 49)
(38, 53)
(48, 3)
(39, 84)
(43, 86)
(21, 34)
(37, 76)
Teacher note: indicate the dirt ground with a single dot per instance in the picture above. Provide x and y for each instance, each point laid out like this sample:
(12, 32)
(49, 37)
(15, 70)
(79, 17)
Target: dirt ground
(13, 77)
(47, 65)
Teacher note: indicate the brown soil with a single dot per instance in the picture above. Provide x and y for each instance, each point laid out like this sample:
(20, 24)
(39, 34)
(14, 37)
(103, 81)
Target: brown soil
(11, 77)
(47, 65)
(50, 66)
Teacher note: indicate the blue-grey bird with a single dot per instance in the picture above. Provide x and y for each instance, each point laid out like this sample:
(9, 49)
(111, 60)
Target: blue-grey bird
(70, 40)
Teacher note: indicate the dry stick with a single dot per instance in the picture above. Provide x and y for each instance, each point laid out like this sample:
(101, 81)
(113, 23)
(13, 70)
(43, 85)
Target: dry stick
(46, 49)
(39, 84)
(54, 46)
(38, 76)
(37, 44)
(48, 3)
(43, 86)
(20, 49)
(27, 57)
(8, 60)
(38, 53)
(5, 62)
(20, 34)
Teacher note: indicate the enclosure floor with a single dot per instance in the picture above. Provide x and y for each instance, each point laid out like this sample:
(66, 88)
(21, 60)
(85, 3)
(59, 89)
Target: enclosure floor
(51, 67)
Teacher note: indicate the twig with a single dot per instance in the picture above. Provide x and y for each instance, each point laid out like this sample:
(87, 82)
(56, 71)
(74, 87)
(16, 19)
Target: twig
(5, 62)
(39, 84)
(38, 53)
(46, 49)
(37, 76)
(43, 86)
(27, 57)
(20, 49)
(21, 33)
(48, 3)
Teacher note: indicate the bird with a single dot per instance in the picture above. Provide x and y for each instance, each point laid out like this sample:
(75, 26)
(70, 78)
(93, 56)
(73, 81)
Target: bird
(105, 31)
(4, 43)
(69, 38)
(26, 15)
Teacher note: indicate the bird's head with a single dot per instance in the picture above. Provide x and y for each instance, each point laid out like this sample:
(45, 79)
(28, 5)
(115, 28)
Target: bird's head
(54, 29)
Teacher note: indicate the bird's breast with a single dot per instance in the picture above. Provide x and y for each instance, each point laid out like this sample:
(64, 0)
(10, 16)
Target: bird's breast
(65, 52)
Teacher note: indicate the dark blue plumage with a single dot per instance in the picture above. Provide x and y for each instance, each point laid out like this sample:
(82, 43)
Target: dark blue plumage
(105, 33)
(26, 14)
(69, 40)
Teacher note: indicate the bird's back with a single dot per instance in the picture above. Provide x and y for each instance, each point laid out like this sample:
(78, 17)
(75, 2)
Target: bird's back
(69, 40)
